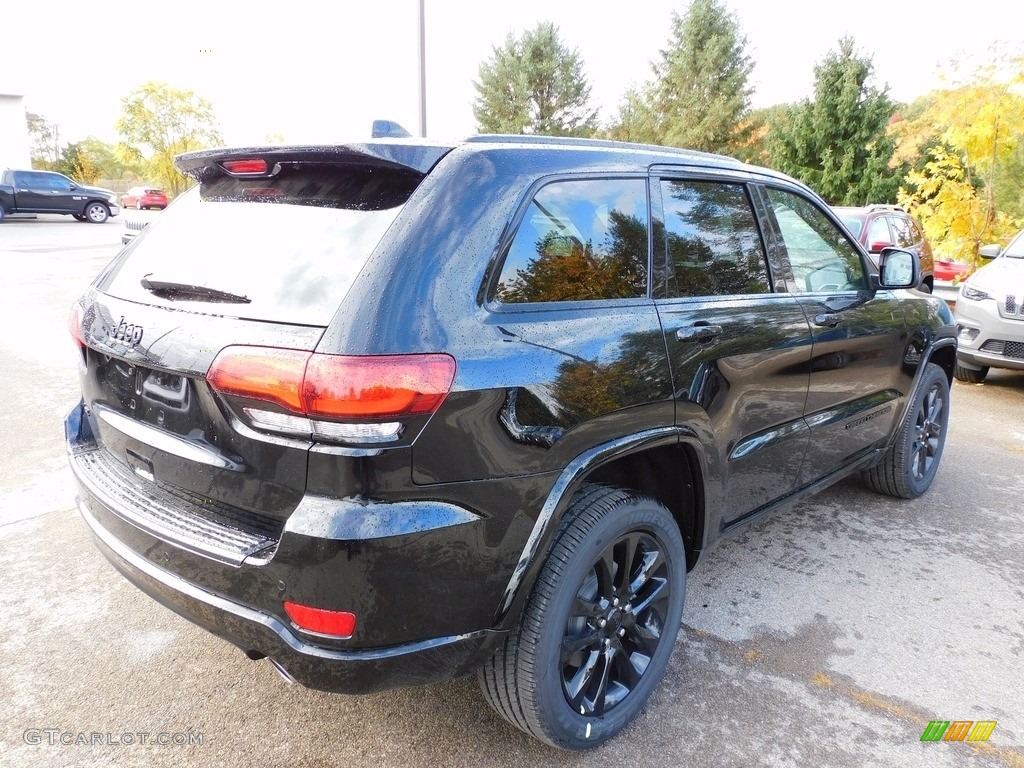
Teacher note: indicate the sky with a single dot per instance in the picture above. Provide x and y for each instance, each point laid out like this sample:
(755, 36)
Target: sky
(322, 72)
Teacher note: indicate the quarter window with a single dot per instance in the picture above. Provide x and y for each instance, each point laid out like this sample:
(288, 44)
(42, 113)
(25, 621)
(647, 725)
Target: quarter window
(580, 240)
(904, 231)
(712, 241)
(821, 256)
(878, 232)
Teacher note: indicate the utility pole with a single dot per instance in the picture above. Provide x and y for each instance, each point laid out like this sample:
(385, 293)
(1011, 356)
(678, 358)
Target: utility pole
(423, 71)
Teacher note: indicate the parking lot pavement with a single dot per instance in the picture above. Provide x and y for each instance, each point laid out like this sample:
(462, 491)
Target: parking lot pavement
(826, 635)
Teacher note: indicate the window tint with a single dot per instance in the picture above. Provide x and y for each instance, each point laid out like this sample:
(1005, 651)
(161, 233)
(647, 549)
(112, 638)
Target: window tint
(878, 232)
(713, 244)
(819, 253)
(35, 180)
(291, 245)
(903, 231)
(579, 240)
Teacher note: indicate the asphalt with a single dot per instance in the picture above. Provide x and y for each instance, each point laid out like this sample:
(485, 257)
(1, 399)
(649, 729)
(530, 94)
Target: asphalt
(827, 635)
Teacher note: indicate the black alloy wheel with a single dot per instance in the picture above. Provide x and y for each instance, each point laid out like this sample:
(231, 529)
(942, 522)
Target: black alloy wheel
(615, 624)
(908, 468)
(929, 426)
(596, 634)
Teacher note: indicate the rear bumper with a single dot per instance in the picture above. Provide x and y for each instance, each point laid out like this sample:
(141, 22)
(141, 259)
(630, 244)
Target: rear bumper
(417, 574)
(258, 633)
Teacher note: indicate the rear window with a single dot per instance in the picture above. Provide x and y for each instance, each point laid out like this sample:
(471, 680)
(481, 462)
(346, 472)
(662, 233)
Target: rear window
(283, 249)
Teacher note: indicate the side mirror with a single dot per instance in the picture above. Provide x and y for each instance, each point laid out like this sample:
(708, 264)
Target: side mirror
(898, 269)
(877, 247)
(989, 251)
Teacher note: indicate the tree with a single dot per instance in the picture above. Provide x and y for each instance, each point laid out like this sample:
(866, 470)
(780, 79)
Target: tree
(634, 121)
(967, 140)
(158, 121)
(752, 140)
(700, 92)
(534, 84)
(44, 137)
(77, 163)
(92, 161)
(837, 143)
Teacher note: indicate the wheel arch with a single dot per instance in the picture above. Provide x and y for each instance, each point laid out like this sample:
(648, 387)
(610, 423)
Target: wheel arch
(663, 463)
(671, 475)
(943, 354)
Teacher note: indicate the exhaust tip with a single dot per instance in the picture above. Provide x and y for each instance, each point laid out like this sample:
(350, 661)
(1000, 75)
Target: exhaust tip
(284, 673)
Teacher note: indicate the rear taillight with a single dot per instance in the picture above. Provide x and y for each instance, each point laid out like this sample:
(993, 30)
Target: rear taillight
(341, 624)
(346, 387)
(75, 326)
(321, 392)
(261, 373)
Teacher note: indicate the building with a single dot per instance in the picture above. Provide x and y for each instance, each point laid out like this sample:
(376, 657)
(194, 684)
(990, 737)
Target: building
(14, 146)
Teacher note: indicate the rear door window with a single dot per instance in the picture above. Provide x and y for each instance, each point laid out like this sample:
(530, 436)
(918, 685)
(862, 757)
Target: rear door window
(713, 244)
(579, 240)
(283, 249)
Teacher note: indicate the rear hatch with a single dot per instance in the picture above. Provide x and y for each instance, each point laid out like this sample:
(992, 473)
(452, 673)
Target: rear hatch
(261, 257)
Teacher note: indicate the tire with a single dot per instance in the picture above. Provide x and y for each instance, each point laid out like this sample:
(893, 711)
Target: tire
(908, 467)
(1, 213)
(970, 375)
(925, 287)
(78, 217)
(579, 697)
(96, 213)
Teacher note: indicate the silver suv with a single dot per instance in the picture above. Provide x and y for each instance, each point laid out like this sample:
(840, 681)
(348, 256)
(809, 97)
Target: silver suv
(990, 314)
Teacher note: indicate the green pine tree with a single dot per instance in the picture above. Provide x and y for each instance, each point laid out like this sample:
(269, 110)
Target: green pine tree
(699, 95)
(534, 84)
(837, 143)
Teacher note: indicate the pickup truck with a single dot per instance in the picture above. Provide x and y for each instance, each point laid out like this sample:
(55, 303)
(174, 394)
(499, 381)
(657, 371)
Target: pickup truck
(49, 192)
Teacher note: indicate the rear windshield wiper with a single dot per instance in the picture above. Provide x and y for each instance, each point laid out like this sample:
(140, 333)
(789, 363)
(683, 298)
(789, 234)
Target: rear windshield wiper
(173, 291)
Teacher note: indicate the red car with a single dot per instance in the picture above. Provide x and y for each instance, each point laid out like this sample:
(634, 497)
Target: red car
(144, 197)
(883, 226)
(951, 270)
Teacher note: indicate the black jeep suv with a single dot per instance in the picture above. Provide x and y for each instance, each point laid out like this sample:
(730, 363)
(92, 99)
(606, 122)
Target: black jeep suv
(392, 412)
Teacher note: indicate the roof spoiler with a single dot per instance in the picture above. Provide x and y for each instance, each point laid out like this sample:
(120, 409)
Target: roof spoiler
(416, 155)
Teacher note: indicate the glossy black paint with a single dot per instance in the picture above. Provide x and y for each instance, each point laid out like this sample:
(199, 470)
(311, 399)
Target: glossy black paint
(48, 192)
(435, 541)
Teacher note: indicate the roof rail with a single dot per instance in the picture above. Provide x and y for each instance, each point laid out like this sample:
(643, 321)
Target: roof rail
(885, 207)
(573, 141)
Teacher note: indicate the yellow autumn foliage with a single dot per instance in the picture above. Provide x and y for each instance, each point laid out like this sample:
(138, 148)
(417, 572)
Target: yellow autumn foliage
(963, 133)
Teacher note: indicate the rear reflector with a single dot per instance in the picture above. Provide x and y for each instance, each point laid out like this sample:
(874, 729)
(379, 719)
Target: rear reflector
(75, 325)
(335, 623)
(335, 386)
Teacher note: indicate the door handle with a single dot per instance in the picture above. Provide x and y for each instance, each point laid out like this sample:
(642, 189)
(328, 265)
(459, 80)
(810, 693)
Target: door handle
(699, 333)
(827, 320)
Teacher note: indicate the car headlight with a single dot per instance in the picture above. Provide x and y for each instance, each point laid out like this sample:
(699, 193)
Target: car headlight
(970, 292)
